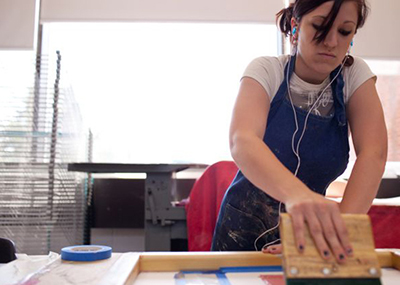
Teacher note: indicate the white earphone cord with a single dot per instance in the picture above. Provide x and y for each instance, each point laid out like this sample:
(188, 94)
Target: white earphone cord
(295, 151)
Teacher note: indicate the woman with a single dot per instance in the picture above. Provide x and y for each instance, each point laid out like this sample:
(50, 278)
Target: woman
(289, 135)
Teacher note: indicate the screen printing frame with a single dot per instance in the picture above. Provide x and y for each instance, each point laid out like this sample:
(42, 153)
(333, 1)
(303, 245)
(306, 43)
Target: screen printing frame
(129, 265)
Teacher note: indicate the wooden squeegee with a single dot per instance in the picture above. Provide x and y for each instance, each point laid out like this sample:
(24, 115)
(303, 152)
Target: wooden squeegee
(310, 268)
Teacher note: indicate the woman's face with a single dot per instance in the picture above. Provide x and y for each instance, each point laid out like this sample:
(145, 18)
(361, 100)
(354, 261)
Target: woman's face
(315, 61)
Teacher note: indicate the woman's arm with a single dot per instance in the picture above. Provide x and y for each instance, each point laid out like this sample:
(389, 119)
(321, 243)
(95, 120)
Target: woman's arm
(252, 155)
(368, 129)
(264, 170)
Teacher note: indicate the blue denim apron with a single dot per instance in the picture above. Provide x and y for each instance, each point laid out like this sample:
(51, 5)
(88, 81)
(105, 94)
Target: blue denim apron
(246, 211)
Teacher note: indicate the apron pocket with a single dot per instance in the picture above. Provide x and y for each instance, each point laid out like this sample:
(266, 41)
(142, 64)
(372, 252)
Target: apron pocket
(238, 230)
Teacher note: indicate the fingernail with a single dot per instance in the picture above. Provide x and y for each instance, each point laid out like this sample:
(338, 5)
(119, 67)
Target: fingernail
(349, 251)
(326, 253)
(341, 256)
(301, 247)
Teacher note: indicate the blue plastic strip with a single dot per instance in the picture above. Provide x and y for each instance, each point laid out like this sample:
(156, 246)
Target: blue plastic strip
(222, 279)
(86, 252)
(221, 273)
(200, 272)
(181, 280)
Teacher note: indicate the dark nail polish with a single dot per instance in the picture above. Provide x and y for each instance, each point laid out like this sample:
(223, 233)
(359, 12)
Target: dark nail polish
(301, 247)
(341, 256)
(326, 253)
(349, 251)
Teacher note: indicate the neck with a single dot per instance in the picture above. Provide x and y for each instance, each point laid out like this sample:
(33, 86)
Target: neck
(306, 74)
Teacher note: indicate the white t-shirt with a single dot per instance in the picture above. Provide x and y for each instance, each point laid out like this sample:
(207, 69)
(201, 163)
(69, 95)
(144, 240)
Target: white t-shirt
(269, 72)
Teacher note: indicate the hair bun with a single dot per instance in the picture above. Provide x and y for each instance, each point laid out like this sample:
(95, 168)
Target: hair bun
(284, 17)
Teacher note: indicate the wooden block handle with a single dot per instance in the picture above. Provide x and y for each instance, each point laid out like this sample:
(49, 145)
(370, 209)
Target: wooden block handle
(309, 264)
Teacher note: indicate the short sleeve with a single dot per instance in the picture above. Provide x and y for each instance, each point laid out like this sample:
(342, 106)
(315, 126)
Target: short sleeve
(358, 73)
(268, 71)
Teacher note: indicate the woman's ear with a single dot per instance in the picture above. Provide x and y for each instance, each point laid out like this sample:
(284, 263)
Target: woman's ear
(294, 31)
(295, 26)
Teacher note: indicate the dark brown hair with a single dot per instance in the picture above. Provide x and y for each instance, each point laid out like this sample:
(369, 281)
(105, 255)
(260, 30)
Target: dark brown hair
(302, 7)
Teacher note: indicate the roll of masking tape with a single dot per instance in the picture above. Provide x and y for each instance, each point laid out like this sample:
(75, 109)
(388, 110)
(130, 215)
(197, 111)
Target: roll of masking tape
(86, 252)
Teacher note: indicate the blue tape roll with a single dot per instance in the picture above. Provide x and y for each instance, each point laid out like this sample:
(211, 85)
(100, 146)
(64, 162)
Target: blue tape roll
(86, 252)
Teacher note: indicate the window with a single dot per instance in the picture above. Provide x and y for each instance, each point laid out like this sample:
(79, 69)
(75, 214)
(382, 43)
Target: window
(388, 86)
(16, 84)
(158, 92)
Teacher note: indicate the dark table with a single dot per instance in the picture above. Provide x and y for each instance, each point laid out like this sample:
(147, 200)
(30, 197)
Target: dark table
(163, 220)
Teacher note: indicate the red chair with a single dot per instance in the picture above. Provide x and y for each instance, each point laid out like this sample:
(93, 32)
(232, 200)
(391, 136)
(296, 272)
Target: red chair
(384, 220)
(204, 203)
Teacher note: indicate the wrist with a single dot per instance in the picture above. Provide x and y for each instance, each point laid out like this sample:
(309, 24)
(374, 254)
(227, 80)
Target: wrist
(296, 194)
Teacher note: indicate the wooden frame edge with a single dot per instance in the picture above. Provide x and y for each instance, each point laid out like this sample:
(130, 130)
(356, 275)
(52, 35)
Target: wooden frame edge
(203, 260)
(170, 261)
(396, 260)
(129, 265)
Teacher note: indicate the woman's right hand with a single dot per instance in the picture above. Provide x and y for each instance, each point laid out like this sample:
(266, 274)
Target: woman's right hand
(325, 223)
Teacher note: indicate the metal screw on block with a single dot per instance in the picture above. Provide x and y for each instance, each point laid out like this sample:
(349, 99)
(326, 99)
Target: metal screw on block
(373, 271)
(326, 271)
(294, 270)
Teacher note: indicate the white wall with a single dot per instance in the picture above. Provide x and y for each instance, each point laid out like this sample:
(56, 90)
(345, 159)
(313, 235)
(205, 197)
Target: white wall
(378, 39)
(18, 23)
(161, 10)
